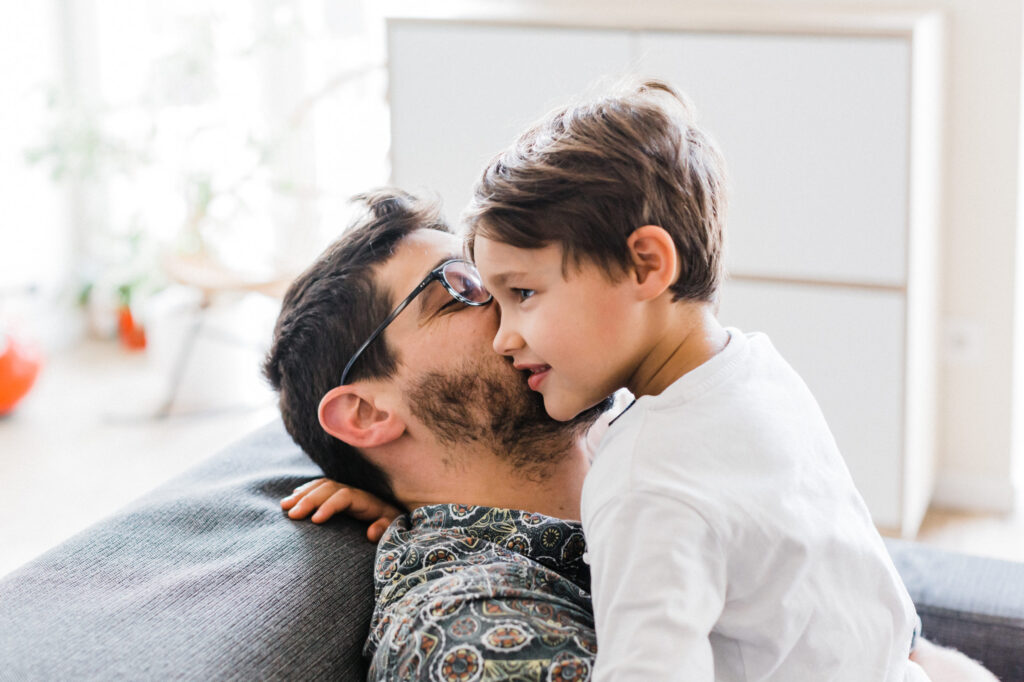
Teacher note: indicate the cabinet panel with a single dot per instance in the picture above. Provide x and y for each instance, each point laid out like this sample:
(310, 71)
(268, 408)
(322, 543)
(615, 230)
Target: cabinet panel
(848, 345)
(815, 135)
(816, 131)
(462, 93)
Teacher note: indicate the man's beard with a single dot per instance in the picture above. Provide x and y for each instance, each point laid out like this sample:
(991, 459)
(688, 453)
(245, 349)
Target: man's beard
(489, 405)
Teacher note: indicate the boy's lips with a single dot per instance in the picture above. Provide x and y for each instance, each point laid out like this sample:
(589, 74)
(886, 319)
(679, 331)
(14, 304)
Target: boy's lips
(535, 374)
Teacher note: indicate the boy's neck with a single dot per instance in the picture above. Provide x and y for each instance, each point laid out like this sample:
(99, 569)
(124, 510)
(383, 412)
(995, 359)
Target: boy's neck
(687, 337)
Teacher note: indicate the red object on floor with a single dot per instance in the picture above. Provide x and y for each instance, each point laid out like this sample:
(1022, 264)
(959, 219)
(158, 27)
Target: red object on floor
(132, 334)
(19, 365)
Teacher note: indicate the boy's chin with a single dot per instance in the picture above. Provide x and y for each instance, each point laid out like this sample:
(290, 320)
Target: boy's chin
(558, 412)
(576, 414)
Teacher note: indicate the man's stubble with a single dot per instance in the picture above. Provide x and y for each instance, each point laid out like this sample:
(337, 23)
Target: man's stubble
(487, 403)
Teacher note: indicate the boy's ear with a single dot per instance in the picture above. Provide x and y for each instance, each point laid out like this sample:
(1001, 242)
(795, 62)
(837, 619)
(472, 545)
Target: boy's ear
(654, 259)
(351, 413)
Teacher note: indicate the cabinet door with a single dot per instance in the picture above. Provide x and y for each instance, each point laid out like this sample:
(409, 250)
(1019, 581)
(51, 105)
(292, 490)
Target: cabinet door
(815, 135)
(848, 346)
(462, 93)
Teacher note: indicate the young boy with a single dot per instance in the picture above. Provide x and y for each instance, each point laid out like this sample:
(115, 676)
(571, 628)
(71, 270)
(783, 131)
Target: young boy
(726, 538)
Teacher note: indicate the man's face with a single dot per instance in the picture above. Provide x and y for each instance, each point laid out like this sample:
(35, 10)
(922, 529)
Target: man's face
(455, 383)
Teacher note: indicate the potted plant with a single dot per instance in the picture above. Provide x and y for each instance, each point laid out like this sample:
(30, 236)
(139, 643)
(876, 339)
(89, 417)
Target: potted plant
(20, 361)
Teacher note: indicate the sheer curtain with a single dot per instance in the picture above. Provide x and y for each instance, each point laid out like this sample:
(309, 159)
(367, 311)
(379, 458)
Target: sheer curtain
(140, 128)
(33, 239)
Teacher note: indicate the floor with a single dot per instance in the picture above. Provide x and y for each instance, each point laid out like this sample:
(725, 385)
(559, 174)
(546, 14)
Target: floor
(86, 442)
(999, 536)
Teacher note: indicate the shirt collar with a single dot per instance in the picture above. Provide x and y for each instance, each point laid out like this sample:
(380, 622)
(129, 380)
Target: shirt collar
(555, 543)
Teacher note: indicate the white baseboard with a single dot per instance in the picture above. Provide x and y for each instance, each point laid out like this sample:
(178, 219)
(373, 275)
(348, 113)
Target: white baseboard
(974, 492)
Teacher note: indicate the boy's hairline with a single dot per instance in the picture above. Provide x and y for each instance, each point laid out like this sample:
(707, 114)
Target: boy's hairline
(577, 258)
(572, 258)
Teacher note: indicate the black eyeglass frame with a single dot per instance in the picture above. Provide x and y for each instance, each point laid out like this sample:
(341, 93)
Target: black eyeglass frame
(438, 274)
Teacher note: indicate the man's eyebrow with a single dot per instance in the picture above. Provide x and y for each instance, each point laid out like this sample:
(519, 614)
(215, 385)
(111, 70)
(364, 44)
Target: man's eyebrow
(424, 298)
(444, 259)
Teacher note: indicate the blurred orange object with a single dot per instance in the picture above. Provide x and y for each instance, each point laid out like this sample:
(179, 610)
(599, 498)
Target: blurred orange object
(19, 365)
(132, 335)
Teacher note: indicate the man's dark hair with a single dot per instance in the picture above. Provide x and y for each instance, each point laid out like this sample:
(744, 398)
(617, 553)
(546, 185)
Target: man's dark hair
(589, 174)
(328, 311)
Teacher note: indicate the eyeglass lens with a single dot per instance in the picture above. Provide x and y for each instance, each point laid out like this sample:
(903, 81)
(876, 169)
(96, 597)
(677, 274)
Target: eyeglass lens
(464, 282)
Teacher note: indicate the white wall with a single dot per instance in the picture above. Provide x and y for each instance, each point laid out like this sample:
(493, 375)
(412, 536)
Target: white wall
(980, 400)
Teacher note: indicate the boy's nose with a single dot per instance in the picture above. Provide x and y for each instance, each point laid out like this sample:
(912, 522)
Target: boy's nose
(506, 340)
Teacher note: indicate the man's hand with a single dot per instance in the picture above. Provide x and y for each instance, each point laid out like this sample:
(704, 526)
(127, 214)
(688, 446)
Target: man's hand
(324, 498)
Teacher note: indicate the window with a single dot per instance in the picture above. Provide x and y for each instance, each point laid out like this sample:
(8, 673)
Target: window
(239, 127)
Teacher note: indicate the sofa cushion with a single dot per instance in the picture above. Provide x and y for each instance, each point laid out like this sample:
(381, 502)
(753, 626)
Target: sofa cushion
(970, 603)
(203, 578)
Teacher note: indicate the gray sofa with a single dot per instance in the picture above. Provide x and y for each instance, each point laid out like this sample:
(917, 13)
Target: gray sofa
(206, 578)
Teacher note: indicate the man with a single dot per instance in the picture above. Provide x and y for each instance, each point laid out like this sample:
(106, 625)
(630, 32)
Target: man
(430, 418)
(382, 357)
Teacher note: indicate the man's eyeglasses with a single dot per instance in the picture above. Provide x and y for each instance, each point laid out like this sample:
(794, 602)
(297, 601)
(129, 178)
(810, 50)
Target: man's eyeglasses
(459, 277)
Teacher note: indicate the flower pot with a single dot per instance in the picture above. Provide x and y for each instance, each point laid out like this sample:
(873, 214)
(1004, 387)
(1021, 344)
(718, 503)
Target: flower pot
(19, 365)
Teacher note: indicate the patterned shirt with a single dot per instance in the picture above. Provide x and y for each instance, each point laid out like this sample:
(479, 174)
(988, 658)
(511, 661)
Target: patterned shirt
(470, 593)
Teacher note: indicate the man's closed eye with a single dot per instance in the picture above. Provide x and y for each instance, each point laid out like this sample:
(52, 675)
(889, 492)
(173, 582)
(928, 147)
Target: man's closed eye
(449, 304)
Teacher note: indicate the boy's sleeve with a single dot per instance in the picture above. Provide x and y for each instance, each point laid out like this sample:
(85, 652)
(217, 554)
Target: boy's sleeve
(659, 584)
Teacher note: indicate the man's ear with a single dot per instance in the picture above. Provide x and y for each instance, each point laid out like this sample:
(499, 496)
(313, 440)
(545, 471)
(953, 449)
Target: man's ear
(654, 259)
(352, 414)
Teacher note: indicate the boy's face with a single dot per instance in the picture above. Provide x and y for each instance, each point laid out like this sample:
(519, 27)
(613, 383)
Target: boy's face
(576, 334)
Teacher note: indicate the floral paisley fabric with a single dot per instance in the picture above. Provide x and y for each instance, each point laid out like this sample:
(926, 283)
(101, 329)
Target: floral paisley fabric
(480, 593)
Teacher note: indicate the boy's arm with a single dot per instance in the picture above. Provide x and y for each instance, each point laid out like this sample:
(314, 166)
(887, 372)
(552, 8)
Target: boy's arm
(658, 581)
(324, 498)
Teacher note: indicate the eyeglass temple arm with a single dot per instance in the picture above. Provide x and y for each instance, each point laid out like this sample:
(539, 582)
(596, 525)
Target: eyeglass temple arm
(387, 320)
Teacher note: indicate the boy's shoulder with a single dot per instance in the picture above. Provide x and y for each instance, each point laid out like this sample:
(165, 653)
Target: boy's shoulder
(741, 374)
(746, 399)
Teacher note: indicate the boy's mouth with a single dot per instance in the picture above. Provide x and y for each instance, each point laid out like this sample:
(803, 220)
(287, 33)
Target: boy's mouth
(535, 374)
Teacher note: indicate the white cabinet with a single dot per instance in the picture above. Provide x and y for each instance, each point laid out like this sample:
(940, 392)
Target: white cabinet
(815, 135)
(829, 128)
(460, 94)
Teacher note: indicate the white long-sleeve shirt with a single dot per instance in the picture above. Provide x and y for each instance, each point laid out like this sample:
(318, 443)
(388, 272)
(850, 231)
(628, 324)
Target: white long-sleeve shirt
(728, 542)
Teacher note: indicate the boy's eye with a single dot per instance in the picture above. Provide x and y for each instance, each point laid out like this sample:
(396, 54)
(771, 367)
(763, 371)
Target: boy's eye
(523, 294)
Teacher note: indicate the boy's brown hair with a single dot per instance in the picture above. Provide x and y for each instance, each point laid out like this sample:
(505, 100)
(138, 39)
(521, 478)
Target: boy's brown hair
(589, 174)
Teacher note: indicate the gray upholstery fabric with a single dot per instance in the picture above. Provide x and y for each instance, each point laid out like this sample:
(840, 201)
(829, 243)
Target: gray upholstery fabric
(969, 603)
(204, 578)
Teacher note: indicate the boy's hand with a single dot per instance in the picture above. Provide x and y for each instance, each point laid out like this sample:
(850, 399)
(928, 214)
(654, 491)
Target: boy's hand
(324, 498)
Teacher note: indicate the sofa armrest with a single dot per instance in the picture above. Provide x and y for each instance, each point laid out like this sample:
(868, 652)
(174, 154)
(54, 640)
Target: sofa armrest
(203, 578)
(973, 604)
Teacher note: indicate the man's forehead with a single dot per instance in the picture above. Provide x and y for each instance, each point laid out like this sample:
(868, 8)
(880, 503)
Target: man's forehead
(417, 254)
